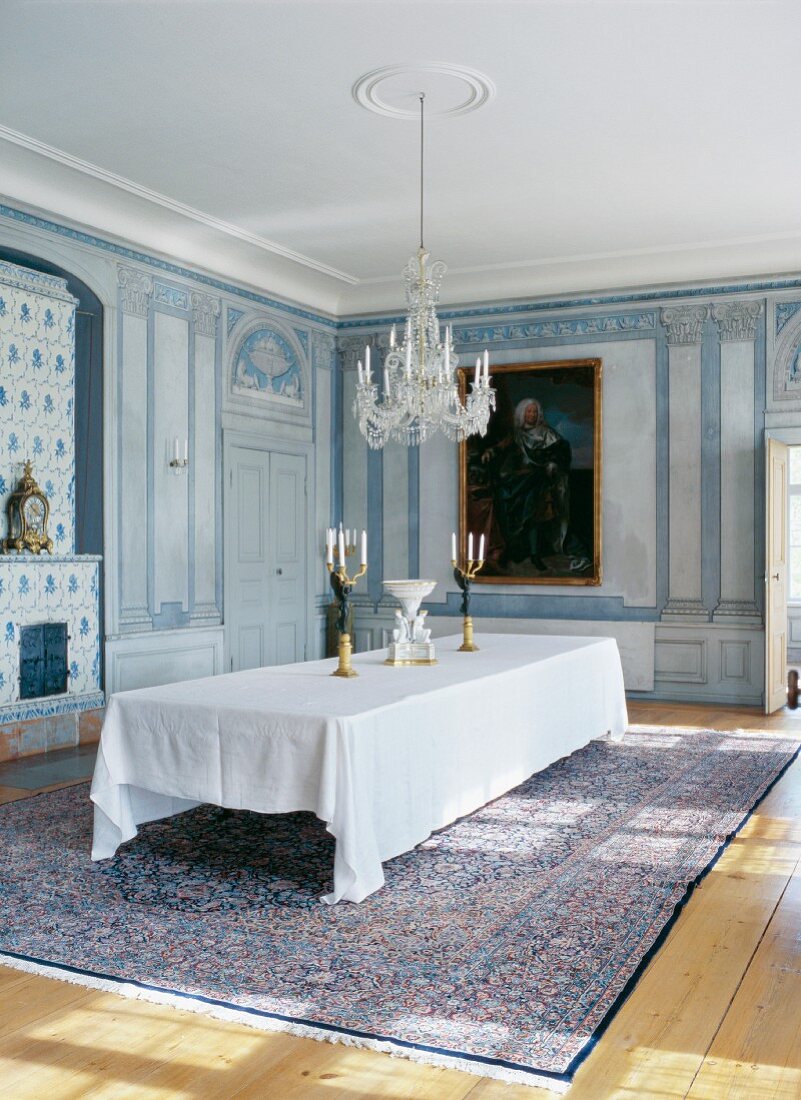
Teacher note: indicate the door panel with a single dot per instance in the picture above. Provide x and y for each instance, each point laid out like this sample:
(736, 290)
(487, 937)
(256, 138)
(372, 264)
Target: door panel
(776, 576)
(266, 558)
(288, 525)
(250, 525)
(248, 590)
(251, 647)
(286, 643)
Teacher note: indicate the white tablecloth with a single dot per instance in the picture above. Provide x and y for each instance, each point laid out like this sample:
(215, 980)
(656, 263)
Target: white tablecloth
(383, 759)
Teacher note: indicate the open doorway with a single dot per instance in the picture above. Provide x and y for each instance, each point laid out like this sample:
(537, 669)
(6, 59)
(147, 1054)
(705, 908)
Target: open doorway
(793, 573)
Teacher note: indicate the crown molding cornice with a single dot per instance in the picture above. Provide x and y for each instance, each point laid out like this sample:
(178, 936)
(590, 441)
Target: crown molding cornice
(15, 137)
(92, 207)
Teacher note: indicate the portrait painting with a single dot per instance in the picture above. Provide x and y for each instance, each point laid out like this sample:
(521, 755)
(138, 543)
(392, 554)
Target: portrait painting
(532, 484)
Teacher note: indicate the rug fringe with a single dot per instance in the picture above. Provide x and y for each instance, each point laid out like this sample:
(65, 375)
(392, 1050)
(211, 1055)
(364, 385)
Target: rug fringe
(269, 1023)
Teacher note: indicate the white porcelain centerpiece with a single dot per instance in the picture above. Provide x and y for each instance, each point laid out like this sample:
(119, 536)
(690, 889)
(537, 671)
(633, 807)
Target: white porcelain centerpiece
(411, 639)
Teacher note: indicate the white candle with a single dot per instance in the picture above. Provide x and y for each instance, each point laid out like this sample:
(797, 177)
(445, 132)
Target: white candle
(341, 547)
(470, 547)
(453, 546)
(386, 381)
(481, 548)
(392, 337)
(486, 367)
(478, 368)
(367, 360)
(347, 538)
(175, 449)
(361, 372)
(329, 546)
(186, 450)
(364, 548)
(408, 359)
(447, 357)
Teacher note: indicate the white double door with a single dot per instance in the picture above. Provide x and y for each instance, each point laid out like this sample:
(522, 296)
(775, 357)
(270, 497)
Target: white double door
(266, 558)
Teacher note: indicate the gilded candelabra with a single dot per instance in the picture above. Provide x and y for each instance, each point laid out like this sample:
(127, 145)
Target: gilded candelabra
(337, 552)
(464, 577)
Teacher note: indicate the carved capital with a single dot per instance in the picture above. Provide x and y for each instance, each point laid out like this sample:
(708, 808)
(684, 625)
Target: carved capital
(136, 291)
(205, 311)
(737, 320)
(323, 350)
(351, 348)
(684, 323)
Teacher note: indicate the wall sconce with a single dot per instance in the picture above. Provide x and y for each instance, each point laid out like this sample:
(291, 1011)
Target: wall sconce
(180, 455)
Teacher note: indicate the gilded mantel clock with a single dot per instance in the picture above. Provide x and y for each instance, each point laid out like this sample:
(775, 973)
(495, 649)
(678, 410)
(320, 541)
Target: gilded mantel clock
(28, 511)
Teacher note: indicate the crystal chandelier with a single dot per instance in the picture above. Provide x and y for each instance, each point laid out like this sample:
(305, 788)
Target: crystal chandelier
(420, 394)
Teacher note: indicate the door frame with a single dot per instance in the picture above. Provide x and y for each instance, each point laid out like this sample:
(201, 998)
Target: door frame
(792, 437)
(269, 444)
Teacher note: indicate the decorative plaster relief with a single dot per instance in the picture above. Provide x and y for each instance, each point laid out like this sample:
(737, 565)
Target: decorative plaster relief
(352, 347)
(548, 330)
(784, 312)
(267, 367)
(684, 324)
(787, 363)
(171, 296)
(323, 349)
(737, 320)
(136, 290)
(205, 311)
(231, 318)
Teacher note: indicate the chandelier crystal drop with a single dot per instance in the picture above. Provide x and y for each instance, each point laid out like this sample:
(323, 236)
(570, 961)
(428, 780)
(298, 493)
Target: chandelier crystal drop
(420, 394)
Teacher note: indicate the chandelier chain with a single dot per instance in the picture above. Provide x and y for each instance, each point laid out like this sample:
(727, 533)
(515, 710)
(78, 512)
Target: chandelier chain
(420, 394)
(422, 159)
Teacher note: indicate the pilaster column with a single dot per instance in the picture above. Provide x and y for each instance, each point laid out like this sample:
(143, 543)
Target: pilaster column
(737, 324)
(202, 477)
(684, 327)
(135, 297)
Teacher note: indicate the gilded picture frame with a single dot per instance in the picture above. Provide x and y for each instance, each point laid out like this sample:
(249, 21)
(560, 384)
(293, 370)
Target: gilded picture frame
(532, 484)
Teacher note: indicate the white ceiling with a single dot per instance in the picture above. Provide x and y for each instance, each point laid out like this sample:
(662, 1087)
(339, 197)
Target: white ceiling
(628, 142)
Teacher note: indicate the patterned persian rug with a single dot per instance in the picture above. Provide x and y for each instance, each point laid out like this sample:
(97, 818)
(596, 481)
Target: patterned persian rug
(500, 946)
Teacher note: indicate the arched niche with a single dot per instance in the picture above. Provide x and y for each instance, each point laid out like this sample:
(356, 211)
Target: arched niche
(88, 401)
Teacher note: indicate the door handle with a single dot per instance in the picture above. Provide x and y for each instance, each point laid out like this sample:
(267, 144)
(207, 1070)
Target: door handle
(280, 572)
(775, 576)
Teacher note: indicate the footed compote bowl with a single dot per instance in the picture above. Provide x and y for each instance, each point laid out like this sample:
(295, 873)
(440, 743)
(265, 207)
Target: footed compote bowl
(411, 643)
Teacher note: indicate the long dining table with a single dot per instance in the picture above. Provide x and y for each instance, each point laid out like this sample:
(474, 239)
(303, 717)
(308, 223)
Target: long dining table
(384, 759)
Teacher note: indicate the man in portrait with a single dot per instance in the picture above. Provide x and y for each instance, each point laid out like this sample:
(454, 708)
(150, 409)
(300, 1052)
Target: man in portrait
(529, 484)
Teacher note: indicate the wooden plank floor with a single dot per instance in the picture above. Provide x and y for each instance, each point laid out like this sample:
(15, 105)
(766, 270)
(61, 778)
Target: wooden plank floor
(716, 1016)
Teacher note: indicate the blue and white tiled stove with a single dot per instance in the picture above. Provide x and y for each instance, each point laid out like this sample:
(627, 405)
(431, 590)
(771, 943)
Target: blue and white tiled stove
(37, 395)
